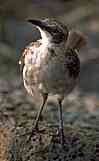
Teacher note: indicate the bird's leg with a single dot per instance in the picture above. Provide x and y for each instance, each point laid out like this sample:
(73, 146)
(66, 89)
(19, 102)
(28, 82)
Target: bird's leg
(61, 127)
(45, 96)
(35, 126)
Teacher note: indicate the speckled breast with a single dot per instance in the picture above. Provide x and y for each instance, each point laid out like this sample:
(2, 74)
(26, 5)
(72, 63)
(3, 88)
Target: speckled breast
(51, 73)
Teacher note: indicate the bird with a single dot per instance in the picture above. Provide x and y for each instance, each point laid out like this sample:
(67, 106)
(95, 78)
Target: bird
(51, 64)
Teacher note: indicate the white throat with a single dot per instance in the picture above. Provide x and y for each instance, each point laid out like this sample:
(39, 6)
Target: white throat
(46, 40)
(45, 37)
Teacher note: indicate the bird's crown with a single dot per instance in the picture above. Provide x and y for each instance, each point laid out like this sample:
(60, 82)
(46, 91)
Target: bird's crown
(56, 29)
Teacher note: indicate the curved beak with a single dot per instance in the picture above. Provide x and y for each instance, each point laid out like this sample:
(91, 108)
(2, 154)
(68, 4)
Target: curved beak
(40, 23)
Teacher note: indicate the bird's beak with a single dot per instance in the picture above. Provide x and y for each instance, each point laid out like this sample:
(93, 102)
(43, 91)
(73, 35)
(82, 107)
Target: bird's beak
(40, 23)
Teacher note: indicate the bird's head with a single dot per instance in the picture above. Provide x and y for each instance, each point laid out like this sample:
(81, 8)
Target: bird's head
(51, 30)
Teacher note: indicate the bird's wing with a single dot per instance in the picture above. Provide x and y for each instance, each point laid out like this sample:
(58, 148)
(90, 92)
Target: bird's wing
(76, 40)
(72, 62)
(28, 49)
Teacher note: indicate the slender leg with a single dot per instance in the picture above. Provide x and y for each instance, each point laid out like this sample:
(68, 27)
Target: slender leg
(45, 96)
(61, 128)
(35, 127)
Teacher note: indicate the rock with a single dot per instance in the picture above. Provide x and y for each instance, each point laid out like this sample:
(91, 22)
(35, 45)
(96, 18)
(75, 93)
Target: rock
(80, 144)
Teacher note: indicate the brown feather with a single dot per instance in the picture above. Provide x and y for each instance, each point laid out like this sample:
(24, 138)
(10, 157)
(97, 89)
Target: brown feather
(76, 40)
(34, 45)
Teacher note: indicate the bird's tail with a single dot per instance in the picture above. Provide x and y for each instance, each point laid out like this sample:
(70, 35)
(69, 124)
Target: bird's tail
(76, 40)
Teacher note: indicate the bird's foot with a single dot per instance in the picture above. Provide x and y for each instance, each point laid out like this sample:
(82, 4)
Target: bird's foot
(35, 131)
(60, 134)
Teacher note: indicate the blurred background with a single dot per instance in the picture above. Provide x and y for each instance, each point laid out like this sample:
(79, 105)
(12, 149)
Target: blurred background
(82, 106)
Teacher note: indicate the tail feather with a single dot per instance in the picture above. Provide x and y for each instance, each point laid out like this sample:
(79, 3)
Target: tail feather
(76, 40)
